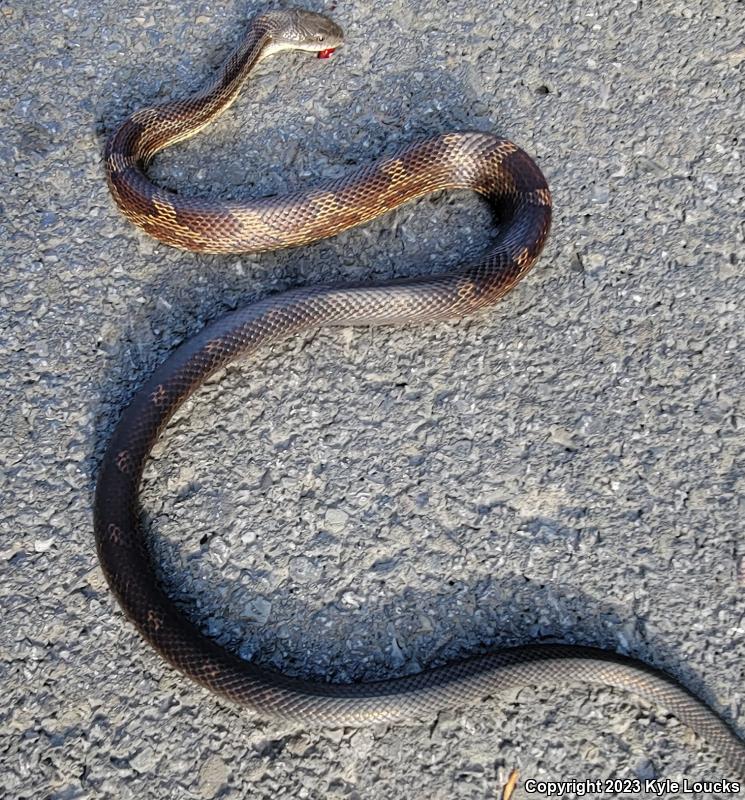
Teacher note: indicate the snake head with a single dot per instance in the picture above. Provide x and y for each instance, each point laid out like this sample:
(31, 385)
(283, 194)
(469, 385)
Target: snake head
(299, 29)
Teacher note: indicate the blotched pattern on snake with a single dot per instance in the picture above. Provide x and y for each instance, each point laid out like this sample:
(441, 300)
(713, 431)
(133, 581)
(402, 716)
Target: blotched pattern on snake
(517, 191)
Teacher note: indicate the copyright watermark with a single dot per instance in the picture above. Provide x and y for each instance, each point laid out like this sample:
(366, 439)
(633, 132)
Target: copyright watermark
(655, 786)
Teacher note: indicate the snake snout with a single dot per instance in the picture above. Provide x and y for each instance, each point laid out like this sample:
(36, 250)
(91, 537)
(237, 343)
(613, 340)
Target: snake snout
(311, 31)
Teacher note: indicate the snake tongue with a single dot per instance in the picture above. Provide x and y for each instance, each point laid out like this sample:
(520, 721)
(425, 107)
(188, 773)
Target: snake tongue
(326, 53)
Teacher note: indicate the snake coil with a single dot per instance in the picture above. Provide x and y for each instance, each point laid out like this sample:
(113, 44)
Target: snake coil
(517, 191)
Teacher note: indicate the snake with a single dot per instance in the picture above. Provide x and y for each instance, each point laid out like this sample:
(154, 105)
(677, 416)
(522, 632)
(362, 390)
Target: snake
(516, 190)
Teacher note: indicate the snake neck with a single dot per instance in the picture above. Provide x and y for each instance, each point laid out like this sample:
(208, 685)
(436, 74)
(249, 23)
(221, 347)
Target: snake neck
(150, 130)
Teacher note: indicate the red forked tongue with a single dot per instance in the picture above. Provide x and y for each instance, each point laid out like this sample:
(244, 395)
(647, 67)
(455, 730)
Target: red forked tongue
(326, 53)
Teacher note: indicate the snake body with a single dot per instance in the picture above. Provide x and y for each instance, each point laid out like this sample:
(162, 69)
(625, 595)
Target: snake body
(517, 191)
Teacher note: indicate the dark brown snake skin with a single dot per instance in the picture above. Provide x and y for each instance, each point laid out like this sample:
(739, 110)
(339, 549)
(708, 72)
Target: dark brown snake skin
(514, 186)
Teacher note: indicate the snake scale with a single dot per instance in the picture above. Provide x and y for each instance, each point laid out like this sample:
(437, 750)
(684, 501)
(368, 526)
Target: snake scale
(516, 190)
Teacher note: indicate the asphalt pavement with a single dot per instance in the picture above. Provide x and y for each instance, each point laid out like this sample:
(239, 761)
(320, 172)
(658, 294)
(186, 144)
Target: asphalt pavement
(353, 504)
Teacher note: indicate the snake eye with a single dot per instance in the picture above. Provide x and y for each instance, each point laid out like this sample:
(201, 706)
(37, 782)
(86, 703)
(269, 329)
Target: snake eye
(320, 37)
